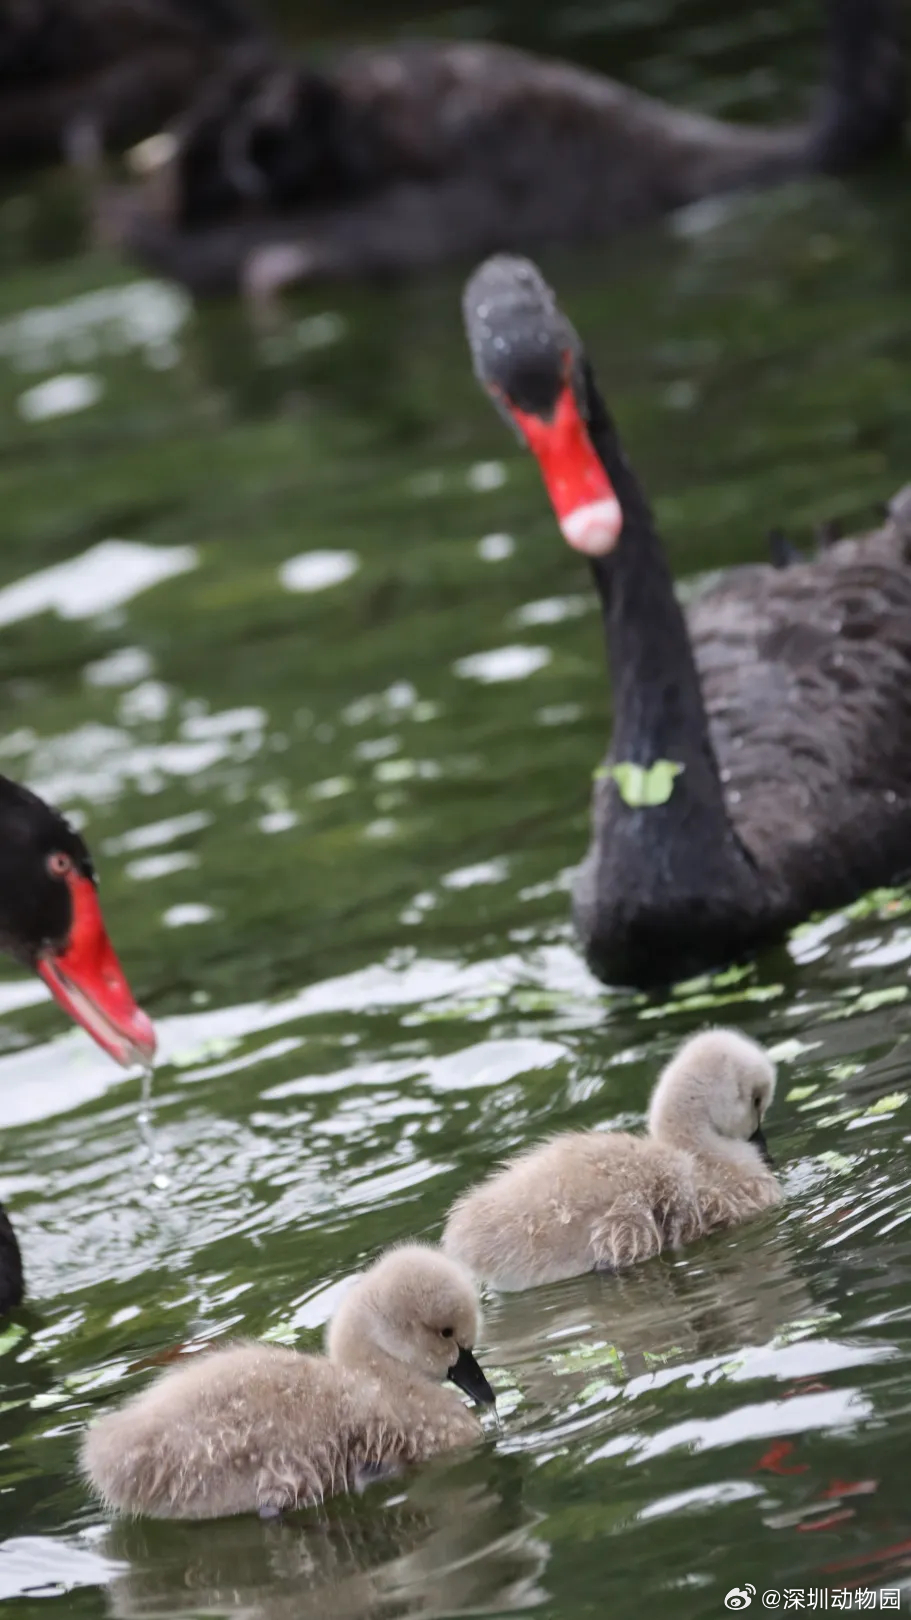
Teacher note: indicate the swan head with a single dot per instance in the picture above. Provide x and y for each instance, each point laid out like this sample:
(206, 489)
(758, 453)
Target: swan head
(51, 921)
(418, 1307)
(720, 1084)
(531, 362)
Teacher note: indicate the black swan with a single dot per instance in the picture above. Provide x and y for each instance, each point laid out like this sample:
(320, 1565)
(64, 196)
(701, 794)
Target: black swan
(760, 763)
(397, 158)
(50, 920)
(12, 1281)
(81, 74)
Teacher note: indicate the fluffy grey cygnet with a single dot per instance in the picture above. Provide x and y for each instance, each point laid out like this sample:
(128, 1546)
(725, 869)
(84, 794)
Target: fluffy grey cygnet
(257, 1428)
(603, 1200)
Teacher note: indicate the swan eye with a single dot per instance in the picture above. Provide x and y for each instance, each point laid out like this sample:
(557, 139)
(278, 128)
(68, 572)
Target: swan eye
(757, 1101)
(58, 864)
(446, 1332)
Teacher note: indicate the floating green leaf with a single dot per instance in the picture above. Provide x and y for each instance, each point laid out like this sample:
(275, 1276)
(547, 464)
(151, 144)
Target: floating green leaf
(880, 903)
(752, 992)
(786, 1051)
(456, 1011)
(730, 1369)
(279, 1333)
(642, 786)
(802, 1327)
(12, 1335)
(798, 1093)
(825, 1121)
(713, 981)
(869, 1001)
(585, 1357)
(879, 998)
(597, 1388)
(838, 1162)
(888, 1105)
(660, 1358)
(47, 1397)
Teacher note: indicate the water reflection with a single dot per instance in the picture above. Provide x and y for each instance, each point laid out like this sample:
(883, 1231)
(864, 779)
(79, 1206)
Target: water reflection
(457, 1541)
(147, 316)
(595, 1336)
(106, 577)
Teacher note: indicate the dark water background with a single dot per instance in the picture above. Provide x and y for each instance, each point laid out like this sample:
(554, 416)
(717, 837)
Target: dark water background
(336, 824)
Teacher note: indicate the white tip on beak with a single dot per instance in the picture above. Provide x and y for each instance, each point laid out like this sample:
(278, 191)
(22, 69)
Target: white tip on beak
(594, 529)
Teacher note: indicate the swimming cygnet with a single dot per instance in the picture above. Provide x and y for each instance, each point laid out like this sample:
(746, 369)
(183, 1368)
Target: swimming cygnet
(258, 1428)
(601, 1201)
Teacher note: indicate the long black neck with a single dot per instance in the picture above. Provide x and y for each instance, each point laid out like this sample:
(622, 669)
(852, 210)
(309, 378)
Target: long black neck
(667, 889)
(864, 100)
(658, 707)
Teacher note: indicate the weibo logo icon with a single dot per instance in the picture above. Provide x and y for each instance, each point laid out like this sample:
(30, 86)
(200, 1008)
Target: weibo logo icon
(740, 1597)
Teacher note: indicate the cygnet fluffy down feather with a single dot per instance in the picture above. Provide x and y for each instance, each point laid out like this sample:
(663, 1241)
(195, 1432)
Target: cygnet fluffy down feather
(257, 1428)
(603, 1200)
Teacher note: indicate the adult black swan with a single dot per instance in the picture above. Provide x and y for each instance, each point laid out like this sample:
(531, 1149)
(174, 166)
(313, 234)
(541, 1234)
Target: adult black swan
(760, 763)
(395, 158)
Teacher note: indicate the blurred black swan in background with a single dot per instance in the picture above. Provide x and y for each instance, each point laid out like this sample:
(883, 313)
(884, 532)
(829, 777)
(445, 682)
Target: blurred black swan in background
(771, 724)
(78, 75)
(399, 157)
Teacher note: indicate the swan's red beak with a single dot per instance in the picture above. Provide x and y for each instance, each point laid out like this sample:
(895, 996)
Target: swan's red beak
(580, 491)
(89, 983)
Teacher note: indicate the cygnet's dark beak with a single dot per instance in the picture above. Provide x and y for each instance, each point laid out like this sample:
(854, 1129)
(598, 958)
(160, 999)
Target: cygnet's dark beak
(467, 1375)
(758, 1140)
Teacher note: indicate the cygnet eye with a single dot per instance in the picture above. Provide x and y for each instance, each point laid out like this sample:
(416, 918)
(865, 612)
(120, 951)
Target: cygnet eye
(58, 864)
(446, 1332)
(757, 1101)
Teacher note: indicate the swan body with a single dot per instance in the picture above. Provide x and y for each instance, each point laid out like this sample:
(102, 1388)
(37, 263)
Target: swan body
(258, 1428)
(397, 158)
(606, 1200)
